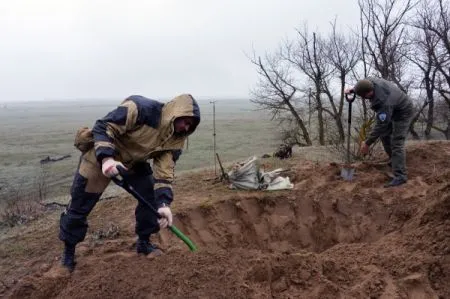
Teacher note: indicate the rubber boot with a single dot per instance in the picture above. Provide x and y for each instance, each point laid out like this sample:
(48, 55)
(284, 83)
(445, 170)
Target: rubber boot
(68, 259)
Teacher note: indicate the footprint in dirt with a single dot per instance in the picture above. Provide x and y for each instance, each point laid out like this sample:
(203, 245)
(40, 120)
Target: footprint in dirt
(52, 279)
(57, 271)
(119, 254)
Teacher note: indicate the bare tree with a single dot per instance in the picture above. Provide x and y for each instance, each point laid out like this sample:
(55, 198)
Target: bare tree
(276, 91)
(435, 23)
(442, 117)
(308, 55)
(423, 57)
(441, 27)
(385, 38)
(343, 55)
(439, 23)
(364, 32)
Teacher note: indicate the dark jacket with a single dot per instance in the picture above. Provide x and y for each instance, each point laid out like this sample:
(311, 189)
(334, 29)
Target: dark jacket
(390, 104)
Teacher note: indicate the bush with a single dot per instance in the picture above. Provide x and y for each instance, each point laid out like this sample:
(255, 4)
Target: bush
(359, 134)
(23, 203)
(19, 211)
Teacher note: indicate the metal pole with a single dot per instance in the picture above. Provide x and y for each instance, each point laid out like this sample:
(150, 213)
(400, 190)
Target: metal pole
(214, 135)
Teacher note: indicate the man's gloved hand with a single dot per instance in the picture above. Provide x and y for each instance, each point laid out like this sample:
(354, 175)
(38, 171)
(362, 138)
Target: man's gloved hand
(349, 90)
(364, 148)
(166, 219)
(109, 167)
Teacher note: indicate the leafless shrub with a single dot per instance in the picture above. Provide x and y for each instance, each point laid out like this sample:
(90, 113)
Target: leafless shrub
(23, 205)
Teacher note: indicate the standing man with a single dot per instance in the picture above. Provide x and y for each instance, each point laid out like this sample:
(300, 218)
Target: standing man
(394, 111)
(139, 129)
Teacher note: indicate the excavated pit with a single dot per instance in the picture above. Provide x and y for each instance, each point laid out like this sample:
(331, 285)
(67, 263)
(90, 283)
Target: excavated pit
(281, 224)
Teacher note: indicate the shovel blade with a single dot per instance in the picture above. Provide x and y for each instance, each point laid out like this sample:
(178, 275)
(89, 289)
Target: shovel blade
(347, 173)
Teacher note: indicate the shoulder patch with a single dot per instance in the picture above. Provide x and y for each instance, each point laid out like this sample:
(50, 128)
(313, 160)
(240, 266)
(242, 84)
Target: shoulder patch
(382, 116)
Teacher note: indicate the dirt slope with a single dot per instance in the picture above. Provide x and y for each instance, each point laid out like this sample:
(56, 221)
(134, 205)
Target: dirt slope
(325, 239)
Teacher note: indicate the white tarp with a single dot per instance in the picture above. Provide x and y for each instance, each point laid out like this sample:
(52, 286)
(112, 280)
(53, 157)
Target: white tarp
(248, 176)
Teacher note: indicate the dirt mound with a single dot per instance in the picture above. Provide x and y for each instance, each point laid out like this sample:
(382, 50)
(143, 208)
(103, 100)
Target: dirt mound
(326, 239)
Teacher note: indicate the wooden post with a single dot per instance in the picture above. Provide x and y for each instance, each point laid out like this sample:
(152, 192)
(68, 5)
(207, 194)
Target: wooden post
(224, 175)
(214, 135)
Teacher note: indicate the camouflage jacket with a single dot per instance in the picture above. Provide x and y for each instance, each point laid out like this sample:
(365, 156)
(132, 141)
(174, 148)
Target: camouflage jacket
(140, 129)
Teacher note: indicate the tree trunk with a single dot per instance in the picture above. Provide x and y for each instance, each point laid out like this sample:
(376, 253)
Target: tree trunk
(414, 120)
(447, 133)
(430, 119)
(340, 126)
(300, 123)
(430, 114)
(412, 131)
(338, 117)
(320, 118)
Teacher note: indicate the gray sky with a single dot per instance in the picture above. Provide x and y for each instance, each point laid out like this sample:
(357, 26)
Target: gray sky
(65, 49)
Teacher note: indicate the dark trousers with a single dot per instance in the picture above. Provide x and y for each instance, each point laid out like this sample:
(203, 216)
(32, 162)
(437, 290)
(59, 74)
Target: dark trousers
(394, 145)
(87, 188)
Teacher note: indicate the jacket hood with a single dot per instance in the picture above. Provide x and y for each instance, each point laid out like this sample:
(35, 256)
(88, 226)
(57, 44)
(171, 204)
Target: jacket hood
(182, 105)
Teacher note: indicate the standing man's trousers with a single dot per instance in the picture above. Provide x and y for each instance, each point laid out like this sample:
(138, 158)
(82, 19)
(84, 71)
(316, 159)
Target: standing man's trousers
(394, 145)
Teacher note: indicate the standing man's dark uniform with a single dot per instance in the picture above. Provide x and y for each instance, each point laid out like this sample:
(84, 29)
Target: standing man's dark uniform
(394, 111)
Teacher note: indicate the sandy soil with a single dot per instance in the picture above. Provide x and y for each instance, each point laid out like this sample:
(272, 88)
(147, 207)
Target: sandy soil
(327, 238)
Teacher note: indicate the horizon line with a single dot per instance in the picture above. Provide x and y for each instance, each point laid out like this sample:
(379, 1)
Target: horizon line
(199, 98)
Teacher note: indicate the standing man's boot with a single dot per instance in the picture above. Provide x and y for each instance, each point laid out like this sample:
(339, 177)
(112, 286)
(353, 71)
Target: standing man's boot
(397, 181)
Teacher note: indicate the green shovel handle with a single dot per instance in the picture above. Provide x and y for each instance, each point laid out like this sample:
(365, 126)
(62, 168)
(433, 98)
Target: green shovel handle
(183, 237)
(122, 182)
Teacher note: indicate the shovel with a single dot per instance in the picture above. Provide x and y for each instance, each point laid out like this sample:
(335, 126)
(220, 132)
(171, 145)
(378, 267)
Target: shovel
(347, 171)
(122, 182)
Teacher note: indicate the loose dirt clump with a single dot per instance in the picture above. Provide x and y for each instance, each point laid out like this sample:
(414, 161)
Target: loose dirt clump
(327, 238)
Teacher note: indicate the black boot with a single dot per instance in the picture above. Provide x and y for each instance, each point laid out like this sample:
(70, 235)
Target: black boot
(68, 259)
(145, 247)
(396, 181)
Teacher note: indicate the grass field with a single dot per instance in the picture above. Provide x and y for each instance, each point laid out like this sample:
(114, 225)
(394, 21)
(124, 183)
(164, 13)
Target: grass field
(32, 131)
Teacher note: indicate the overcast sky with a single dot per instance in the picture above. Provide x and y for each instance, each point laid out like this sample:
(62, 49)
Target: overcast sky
(66, 49)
